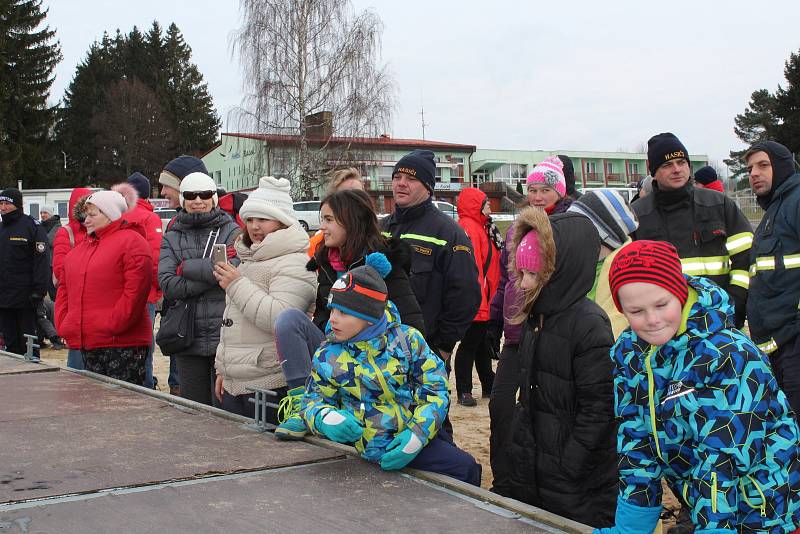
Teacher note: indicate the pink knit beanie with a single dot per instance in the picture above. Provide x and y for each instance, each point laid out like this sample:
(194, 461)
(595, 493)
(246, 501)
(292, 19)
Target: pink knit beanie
(111, 203)
(549, 172)
(529, 255)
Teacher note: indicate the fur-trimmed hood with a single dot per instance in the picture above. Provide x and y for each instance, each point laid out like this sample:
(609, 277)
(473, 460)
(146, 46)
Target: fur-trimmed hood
(534, 219)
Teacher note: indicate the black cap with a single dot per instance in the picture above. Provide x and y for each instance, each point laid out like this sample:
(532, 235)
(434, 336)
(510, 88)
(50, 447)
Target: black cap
(420, 164)
(663, 148)
(705, 175)
(13, 195)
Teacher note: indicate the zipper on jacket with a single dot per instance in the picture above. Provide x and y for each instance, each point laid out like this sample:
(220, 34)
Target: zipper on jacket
(714, 492)
(761, 507)
(390, 398)
(650, 400)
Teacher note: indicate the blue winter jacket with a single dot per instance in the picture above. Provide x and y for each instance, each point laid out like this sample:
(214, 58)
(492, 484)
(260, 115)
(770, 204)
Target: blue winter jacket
(388, 387)
(705, 411)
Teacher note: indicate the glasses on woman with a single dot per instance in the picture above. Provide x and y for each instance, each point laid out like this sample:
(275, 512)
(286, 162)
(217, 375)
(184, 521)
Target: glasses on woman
(191, 195)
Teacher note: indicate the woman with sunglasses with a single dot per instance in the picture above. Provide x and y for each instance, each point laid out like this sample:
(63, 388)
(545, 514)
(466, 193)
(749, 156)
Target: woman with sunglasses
(186, 274)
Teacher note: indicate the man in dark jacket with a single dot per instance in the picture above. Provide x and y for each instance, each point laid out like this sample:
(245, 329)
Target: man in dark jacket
(711, 234)
(51, 222)
(24, 271)
(443, 272)
(772, 309)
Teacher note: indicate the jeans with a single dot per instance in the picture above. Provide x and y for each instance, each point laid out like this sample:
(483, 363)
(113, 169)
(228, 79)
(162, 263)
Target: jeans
(441, 456)
(75, 359)
(501, 415)
(296, 339)
(473, 348)
(148, 364)
(197, 378)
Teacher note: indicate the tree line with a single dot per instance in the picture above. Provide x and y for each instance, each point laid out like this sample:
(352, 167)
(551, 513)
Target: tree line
(136, 100)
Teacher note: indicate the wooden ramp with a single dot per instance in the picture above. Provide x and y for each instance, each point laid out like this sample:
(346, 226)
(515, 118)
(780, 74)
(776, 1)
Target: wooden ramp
(81, 453)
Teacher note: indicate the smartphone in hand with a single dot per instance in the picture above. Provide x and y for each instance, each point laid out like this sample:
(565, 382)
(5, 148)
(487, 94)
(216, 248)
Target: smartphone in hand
(218, 254)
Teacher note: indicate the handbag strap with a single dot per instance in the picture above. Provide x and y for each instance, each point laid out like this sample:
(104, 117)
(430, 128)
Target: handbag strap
(210, 242)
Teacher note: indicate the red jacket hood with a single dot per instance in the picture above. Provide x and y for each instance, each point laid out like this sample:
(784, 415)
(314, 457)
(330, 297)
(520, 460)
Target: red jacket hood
(77, 194)
(470, 203)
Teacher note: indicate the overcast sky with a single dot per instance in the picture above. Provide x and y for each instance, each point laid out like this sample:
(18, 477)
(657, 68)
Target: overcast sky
(572, 75)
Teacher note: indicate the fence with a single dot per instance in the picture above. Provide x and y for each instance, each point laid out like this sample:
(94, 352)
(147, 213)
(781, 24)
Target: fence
(746, 200)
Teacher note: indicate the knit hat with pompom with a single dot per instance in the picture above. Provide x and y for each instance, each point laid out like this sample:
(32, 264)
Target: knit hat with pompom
(362, 292)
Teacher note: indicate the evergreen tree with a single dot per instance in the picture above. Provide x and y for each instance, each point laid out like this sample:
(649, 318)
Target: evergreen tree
(182, 110)
(787, 105)
(28, 55)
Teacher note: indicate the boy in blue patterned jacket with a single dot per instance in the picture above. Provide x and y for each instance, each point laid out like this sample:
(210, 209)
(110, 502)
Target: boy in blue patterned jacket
(698, 404)
(375, 383)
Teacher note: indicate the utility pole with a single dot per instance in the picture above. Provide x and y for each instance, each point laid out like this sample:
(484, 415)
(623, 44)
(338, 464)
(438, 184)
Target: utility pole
(422, 115)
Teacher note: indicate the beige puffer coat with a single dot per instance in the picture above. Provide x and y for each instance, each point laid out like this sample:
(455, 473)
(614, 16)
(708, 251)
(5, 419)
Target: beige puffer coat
(274, 278)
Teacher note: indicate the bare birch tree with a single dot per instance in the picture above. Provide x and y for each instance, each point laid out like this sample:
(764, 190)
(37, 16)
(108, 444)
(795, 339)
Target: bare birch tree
(303, 57)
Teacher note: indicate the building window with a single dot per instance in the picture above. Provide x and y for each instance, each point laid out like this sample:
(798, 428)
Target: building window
(633, 168)
(609, 168)
(385, 173)
(510, 172)
(63, 208)
(438, 175)
(591, 167)
(33, 210)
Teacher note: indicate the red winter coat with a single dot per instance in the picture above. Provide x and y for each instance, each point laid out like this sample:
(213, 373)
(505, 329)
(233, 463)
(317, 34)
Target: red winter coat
(143, 215)
(470, 202)
(102, 299)
(61, 243)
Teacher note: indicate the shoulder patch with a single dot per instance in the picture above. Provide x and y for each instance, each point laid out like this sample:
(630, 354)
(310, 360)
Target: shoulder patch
(423, 250)
(40, 247)
(462, 248)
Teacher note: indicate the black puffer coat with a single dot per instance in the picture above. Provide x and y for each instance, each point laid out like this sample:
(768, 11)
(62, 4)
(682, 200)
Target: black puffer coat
(564, 433)
(182, 250)
(398, 253)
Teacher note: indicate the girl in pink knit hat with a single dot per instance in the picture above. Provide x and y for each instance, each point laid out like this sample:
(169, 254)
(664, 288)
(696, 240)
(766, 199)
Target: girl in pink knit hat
(547, 187)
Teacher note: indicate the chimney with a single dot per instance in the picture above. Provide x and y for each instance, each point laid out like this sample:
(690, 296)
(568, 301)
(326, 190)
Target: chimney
(319, 124)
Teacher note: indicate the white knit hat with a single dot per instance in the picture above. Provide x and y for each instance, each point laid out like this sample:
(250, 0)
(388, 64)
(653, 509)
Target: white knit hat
(197, 182)
(111, 203)
(270, 201)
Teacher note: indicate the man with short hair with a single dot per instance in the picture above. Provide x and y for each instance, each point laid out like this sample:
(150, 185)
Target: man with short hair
(24, 271)
(772, 308)
(711, 234)
(175, 171)
(443, 272)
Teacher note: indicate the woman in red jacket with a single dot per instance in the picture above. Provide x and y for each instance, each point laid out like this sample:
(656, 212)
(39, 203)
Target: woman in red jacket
(473, 216)
(102, 296)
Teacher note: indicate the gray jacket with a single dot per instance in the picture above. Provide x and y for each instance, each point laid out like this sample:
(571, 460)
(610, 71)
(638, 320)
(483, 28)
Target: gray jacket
(182, 251)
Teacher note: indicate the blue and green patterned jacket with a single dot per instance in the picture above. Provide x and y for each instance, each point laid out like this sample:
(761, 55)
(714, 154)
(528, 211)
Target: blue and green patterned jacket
(705, 411)
(385, 388)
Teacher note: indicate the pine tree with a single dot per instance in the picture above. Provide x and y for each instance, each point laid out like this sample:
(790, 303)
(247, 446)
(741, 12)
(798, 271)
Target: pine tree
(28, 55)
(162, 64)
(787, 105)
(758, 123)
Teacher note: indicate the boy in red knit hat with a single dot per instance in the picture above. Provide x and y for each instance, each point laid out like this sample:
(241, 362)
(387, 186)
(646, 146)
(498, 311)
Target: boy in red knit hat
(697, 404)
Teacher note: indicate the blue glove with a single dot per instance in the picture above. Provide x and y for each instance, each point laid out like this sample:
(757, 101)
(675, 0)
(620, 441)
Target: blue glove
(632, 519)
(338, 426)
(401, 450)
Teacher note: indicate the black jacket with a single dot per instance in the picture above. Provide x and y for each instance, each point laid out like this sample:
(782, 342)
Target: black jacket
(182, 250)
(564, 433)
(772, 308)
(444, 276)
(399, 255)
(711, 234)
(24, 261)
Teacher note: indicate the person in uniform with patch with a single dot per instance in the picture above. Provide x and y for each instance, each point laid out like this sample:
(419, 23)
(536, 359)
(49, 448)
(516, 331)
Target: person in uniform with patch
(443, 271)
(24, 270)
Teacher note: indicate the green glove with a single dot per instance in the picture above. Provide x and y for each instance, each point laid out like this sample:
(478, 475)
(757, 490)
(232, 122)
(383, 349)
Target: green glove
(401, 450)
(339, 426)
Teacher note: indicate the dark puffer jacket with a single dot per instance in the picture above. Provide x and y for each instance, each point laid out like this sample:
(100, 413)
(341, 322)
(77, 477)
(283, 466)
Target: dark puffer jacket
(182, 252)
(398, 253)
(564, 434)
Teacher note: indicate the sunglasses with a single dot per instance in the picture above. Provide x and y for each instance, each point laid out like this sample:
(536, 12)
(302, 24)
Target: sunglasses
(191, 195)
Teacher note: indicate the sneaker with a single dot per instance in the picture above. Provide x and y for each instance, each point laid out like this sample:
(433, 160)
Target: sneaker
(292, 426)
(58, 343)
(466, 399)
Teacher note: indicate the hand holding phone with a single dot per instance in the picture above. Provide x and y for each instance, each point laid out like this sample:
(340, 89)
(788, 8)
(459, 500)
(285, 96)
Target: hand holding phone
(219, 254)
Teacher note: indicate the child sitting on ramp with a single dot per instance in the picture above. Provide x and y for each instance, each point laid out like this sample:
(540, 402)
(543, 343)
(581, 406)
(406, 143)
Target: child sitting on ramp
(376, 384)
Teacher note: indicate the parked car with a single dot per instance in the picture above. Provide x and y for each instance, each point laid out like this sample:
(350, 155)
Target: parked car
(447, 208)
(166, 215)
(308, 214)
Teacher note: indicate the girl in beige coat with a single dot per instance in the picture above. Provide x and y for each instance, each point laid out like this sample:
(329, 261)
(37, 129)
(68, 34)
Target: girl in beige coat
(271, 278)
